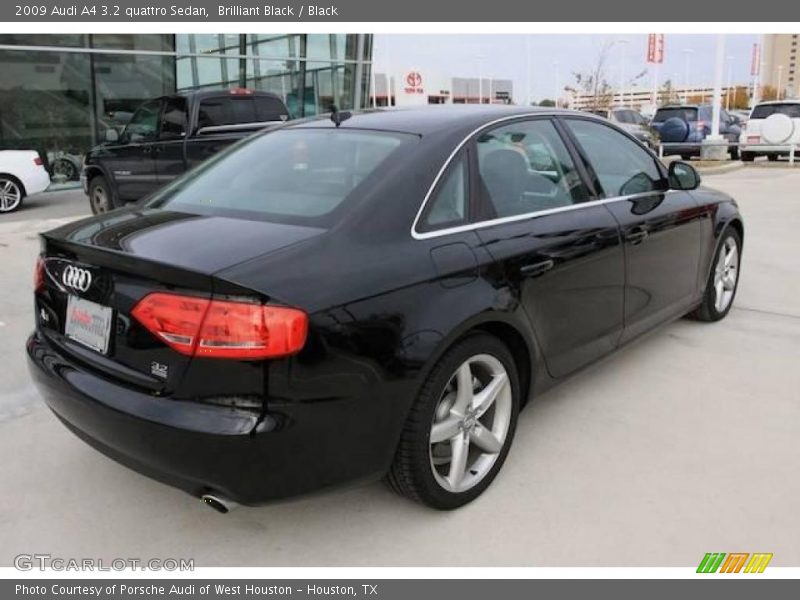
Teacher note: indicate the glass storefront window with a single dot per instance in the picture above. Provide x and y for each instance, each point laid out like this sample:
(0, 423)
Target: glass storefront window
(44, 39)
(61, 101)
(144, 42)
(274, 46)
(125, 81)
(46, 102)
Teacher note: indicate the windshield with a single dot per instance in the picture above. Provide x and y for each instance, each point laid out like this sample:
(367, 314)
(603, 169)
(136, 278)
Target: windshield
(291, 175)
(682, 113)
(762, 111)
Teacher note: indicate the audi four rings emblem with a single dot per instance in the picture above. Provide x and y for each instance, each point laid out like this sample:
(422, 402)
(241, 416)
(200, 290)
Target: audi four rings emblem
(76, 278)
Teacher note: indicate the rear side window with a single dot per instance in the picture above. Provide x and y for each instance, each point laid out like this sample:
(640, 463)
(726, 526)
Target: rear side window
(143, 125)
(293, 176)
(622, 166)
(448, 207)
(685, 114)
(525, 167)
(762, 111)
(232, 110)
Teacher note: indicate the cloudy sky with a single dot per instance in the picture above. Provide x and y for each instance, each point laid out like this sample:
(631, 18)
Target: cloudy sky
(553, 58)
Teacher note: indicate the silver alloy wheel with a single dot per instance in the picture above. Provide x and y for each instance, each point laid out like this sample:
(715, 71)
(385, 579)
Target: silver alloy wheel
(100, 199)
(725, 274)
(10, 195)
(471, 423)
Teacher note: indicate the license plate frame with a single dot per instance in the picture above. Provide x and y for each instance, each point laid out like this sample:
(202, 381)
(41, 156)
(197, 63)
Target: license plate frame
(88, 323)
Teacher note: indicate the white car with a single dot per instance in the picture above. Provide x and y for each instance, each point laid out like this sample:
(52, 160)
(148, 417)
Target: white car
(22, 173)
(772, 128)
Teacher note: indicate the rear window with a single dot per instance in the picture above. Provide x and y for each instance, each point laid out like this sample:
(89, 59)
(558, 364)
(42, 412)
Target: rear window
(762, 111)
(683, 113)
(294, 175)
(232, 110)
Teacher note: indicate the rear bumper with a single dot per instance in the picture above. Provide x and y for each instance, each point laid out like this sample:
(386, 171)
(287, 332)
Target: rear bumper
(762, 149)
(36, 180)
(247, 457)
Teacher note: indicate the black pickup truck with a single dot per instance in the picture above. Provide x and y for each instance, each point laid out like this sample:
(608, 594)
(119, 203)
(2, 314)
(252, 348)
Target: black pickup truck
(169, 135)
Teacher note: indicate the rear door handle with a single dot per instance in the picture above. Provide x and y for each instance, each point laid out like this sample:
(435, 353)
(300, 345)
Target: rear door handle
(637, 236)
(536, 269)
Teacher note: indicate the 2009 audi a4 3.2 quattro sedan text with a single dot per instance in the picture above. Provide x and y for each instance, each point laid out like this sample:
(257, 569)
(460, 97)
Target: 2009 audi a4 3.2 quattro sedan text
(342, 299)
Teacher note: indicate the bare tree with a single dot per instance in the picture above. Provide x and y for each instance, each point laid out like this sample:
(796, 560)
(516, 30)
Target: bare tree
(593, 82)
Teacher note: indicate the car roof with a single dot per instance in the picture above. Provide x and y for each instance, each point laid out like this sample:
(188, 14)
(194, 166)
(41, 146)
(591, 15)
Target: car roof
(200, 94)
(429, 119)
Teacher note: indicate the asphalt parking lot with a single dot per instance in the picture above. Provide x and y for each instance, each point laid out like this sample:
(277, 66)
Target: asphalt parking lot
(686, 442)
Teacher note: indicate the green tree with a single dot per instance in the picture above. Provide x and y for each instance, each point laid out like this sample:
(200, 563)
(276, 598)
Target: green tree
(547, 102)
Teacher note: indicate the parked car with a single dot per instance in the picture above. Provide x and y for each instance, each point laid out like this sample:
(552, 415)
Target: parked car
(632, 122)
(168, 136)
(772, 128)
(382, 299)
(22, 173)
(685, 127)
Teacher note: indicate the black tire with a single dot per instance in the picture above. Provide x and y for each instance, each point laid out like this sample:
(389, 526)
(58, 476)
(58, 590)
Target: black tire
(101, 198)
(66, 168)
(772, 157)
(747, 156)
(412, 472)
(734, 153)
(12, 193)
(708, 311)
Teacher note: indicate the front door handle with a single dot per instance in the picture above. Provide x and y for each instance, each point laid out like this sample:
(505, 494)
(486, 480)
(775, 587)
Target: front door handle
(637, 236)
(536, 269)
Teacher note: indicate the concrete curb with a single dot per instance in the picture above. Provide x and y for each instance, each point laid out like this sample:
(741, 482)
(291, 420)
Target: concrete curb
(734, 166)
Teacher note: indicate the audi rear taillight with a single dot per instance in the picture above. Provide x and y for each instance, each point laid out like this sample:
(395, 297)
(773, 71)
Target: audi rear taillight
(38, 275)
(38, 161)
(222, 329)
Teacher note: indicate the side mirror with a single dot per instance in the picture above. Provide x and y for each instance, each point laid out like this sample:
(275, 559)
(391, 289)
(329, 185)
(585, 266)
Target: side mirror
(112, 135)
(683, 176)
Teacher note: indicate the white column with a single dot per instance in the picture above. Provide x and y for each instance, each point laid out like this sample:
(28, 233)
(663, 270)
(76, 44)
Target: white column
(718, 70)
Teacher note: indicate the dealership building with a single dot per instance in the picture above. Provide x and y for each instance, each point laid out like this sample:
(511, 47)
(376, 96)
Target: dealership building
(60, 93)
(413, 87)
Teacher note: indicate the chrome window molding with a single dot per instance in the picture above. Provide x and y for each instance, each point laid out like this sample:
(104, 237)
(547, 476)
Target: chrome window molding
(531, 215)
(502, 220)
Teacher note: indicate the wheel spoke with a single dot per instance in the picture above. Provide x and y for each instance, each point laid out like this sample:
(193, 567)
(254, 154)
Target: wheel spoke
(719, 304)
(463, 390)
(731, 256)
(444, 430)
(485, 440)
(459, 447)
(729, 281)
(486, 397)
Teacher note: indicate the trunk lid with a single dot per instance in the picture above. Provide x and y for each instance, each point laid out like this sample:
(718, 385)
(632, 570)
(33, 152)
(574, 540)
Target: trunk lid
(96, 270)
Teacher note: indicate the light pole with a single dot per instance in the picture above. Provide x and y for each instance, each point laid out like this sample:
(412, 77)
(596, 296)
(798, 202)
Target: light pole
(623, 43)
(778, 89)
(687, 52)
(528, 70)
(555, 82)
(730, 75)
(479, 59)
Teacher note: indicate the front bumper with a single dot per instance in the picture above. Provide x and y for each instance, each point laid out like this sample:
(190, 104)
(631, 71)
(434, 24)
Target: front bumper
(248, 457)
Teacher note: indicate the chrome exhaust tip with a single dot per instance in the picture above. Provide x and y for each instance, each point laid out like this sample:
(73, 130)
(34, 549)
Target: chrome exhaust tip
(219, 503)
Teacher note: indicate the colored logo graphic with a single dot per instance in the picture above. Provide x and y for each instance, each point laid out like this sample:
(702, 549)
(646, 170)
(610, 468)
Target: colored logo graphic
(734, 562)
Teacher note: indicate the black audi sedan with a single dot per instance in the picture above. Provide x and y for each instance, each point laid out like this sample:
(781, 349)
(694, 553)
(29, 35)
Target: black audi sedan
(343, 299)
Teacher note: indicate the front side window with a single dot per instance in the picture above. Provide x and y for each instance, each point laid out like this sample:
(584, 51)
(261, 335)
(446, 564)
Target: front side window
(293, 176)
(525, 167)
(173, 119)
(143, 125)
(622, 166)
